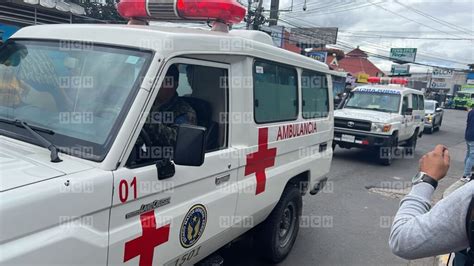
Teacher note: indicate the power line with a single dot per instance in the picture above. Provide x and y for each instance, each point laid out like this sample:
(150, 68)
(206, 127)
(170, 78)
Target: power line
(438, 20)
(384, 47)
(349, 46)
(406, 37)
(407, 18)
(330, 12)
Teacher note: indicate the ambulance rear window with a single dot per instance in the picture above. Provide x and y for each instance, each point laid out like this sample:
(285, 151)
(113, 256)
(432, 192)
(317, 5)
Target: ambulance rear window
(314, 87)
(275, 92)
(415, 102)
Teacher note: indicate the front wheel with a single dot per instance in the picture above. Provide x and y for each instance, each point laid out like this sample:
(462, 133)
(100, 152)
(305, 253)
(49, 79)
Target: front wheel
(413, 140)
(385, 154)
(278, 232)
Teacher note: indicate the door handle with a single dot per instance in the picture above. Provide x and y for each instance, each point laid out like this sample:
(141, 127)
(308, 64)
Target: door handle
(323, 147)
(222, 179)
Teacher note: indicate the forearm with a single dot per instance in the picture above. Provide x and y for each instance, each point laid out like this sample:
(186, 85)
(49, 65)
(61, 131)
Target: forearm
(419, 232)
(406, 233)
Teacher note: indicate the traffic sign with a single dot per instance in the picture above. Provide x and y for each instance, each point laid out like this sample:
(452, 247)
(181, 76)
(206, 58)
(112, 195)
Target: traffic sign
(403, 55)
(400, 70)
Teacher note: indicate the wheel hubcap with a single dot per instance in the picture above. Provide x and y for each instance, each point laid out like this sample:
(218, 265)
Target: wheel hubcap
(287, 225)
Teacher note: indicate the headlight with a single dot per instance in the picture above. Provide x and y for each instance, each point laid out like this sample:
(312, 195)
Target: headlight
(429, 118)
(379, 127)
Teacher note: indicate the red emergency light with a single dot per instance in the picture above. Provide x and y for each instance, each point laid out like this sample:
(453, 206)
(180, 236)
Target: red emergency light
(226, 11)
(383, 80)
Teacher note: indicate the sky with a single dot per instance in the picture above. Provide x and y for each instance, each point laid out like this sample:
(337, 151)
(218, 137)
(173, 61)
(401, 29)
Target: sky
(406, 18)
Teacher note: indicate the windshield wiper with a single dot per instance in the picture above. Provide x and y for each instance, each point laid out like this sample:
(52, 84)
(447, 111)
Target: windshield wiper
(380, 109)
(355, 107)
(44, 142)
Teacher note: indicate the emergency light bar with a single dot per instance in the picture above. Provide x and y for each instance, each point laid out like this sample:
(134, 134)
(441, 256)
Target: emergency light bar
(226, 11)
(382, 80)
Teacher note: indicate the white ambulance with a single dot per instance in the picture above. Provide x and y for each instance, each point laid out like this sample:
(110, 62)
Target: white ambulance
(381, 116)
(83, 182)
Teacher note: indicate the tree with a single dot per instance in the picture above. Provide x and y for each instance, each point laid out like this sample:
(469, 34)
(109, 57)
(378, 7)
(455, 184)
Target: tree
(105, 12)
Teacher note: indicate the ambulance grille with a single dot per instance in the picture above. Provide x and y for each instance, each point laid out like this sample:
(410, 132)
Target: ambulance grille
(352, 124)
(163, 9)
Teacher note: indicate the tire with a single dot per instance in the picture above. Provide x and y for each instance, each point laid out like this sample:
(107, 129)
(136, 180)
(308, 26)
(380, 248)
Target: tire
(277, 234)
(384, 157)
(412, 142)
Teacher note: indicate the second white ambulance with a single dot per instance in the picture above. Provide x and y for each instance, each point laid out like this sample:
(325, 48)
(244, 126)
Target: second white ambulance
(380, 118)
(78, 187)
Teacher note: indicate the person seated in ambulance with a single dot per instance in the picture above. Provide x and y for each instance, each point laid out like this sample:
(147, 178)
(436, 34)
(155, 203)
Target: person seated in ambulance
(168, 112)
(12, 89)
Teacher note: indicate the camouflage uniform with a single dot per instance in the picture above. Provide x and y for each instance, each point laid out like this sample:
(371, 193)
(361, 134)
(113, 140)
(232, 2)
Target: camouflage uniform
(165, 119)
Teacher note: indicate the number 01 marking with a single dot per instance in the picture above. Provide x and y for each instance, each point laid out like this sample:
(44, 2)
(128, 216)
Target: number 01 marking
(124, 187)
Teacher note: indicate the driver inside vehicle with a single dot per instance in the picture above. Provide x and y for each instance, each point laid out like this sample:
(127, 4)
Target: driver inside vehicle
(167, 113)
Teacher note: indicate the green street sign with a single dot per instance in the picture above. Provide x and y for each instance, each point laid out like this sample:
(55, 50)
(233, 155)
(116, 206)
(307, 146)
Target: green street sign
(403, 54)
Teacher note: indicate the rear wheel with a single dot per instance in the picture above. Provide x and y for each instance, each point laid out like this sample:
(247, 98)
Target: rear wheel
(278, 232)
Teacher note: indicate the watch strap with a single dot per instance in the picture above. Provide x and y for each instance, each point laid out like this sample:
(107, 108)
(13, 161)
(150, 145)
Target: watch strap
(428, 179)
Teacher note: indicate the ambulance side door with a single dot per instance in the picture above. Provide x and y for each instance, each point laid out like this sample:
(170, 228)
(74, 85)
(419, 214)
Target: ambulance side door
(406, 117)
(183, 218)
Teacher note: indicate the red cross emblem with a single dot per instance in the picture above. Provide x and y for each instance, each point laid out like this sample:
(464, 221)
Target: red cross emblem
(144, 246)
(258, 161)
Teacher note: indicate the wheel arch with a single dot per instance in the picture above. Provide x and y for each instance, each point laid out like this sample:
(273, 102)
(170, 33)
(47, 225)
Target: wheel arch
(301, 181)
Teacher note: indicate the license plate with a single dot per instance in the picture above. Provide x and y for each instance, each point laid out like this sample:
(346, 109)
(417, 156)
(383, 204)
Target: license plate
(347, 138)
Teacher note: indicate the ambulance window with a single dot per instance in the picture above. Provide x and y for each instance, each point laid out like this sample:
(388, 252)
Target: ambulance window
(421, 102)
(205, 88)
(275, 92)
(414, 99)
(314, 87)
(198, 97)
(405, 104)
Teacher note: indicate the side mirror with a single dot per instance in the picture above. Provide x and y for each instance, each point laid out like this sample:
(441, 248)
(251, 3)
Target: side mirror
(408, 111)
(190, 145)
(439, 109)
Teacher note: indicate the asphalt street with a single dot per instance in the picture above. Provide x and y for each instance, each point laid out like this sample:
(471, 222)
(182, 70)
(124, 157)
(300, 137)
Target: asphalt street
(351, 219)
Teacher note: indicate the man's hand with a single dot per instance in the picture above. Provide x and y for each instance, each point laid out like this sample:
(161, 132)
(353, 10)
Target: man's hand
(436, 162)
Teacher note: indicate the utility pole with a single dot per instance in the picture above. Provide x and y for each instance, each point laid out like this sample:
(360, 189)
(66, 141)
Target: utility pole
(274, 10)
(249, 14)
(255, 18)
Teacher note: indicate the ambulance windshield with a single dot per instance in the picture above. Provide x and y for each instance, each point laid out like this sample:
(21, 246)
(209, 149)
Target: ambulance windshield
(79, 91)
(374, 100)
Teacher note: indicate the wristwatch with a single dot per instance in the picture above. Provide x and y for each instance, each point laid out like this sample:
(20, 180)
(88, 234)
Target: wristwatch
(424, 177)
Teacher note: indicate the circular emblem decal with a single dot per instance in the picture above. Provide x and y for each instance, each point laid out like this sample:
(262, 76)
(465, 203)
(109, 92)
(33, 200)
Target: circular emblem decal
(193, 225)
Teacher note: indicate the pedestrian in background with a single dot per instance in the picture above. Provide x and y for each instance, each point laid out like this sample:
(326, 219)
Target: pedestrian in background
(469, 137)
